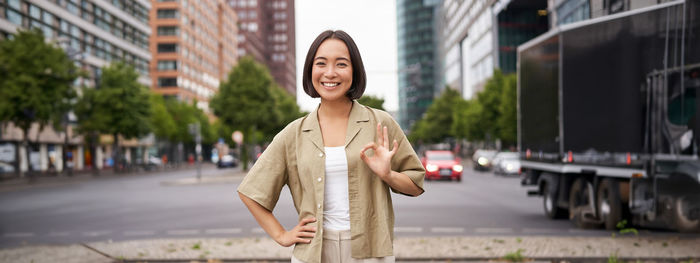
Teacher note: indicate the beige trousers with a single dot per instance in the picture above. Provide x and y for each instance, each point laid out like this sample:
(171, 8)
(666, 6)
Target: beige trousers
(336, 248)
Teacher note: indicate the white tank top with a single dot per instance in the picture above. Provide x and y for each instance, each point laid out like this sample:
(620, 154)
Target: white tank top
(336, 203)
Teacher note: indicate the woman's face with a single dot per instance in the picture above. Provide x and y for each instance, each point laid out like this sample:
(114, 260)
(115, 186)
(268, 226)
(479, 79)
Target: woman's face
(331, 73)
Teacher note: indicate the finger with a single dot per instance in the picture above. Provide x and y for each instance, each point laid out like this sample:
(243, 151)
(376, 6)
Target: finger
(380, 139)
(307, 220)
(306, 234)
(367, 146)
(302, 240)
(308, 228)
(386, 138)
(396, 147)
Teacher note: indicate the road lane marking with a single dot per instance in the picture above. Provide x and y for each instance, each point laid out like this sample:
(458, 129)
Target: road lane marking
(223, 231)
(447, 230)
(257, 230)
(96, 233)
(494, 230)
(139, 233)
(539, 230)
(20, 234)
(408, 229)
(183, 232)
(59, 234)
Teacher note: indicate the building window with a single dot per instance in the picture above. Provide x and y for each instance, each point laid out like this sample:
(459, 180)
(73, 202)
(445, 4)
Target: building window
(253, 27)
(14, 4)
(167, 82)
(167, 13)
(167, 48)
(168, 31)
(14, 17)
(34, 12)
(167, 65)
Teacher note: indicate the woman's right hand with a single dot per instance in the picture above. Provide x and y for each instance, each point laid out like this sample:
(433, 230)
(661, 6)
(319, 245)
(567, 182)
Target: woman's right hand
(301, 233)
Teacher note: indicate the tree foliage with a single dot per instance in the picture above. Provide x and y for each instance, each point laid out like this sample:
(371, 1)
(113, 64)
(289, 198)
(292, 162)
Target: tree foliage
(162, 122)
(489, 116)
(35, 82)
(119, 105)
(183, 114)
(371, 101)
(438, 119)
(250, 101)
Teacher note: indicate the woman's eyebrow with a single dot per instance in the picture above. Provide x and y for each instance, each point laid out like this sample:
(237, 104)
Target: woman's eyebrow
(317, 58)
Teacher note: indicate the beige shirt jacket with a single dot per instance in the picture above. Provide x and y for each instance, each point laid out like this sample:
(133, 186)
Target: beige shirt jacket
(296, 158)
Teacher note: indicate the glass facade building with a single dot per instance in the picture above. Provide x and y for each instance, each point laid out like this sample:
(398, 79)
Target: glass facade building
(103, 31)
(416, 56)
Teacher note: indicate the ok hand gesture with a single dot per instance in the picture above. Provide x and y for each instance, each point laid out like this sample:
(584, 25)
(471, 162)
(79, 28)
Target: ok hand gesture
(380, 162)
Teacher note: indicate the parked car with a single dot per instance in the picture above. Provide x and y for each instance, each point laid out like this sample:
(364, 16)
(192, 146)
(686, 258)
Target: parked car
(483, 159)
(442, 165)
(506, 163)
(227, 161)
(153, 163)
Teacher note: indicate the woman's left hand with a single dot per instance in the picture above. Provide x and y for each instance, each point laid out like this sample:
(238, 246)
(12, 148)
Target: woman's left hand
(380, 162)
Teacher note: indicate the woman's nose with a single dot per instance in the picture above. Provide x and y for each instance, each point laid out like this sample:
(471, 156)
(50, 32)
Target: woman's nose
(330, 71)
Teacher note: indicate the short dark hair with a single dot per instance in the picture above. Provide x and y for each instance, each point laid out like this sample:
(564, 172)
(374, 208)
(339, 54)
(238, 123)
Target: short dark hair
(359, 77)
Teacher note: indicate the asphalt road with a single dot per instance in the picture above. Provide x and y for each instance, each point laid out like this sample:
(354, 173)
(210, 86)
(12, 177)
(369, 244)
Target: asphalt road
(144, 207)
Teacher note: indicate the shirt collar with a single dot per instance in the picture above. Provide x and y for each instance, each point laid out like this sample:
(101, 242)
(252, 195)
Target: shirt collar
(359, 117)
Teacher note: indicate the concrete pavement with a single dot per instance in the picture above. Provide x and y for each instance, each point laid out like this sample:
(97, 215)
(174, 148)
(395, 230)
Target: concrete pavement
(539, 248)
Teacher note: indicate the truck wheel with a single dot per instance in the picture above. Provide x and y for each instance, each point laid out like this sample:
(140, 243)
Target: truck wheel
(609, 204)
(580, 204)
(549, 203)
(681, 222)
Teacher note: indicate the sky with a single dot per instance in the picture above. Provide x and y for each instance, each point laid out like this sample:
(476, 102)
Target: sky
(372, 24)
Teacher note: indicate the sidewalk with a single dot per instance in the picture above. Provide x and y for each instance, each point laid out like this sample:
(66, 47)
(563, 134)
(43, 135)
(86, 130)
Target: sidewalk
(16, 184)
(414, 249)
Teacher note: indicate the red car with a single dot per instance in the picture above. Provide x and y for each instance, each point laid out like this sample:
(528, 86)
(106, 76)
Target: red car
(442, 165)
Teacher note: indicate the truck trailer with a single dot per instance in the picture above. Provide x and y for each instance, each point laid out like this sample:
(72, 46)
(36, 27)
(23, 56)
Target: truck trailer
(608, 123)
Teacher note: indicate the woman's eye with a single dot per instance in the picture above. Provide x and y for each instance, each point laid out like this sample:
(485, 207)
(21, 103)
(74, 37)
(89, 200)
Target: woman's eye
(320, 63)
(342, 65)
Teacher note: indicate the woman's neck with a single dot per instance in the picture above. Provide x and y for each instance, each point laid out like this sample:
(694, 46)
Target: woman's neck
(335, 109)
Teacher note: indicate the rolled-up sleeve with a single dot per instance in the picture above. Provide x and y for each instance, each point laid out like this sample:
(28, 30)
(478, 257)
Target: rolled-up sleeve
(406, 160)
(265, 180)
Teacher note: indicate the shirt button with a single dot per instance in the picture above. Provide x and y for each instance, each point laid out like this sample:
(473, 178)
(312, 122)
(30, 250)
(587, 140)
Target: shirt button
(319, 179)
(320, 154)
(319, 206)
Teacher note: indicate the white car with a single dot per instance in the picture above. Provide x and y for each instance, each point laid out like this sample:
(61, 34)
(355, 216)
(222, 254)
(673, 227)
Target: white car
(506, 163)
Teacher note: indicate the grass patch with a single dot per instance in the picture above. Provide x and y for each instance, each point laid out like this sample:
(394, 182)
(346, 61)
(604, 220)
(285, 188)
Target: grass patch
(197, 246)
(516, 256)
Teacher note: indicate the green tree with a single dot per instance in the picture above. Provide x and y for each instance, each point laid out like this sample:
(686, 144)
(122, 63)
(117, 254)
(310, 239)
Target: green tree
(371, 101)
(91, 120)
(245, 102)
(436, 124)
(35, 83)
(507, 121)
(119, 105)
(490, 101)
(286, 108)
(162, 122)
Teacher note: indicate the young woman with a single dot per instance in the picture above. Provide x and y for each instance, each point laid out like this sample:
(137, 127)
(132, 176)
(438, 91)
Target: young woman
(339, 163)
